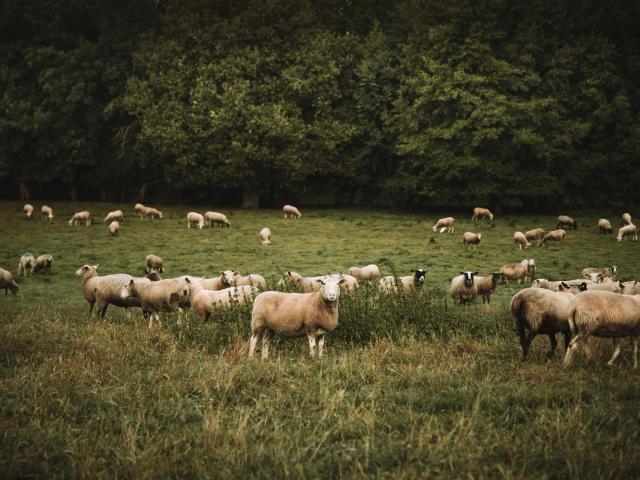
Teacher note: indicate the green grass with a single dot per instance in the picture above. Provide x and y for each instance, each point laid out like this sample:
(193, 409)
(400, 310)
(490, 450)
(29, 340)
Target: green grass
(410, 386)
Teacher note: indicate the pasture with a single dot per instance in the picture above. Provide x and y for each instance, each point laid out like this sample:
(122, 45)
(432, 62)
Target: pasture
(411, 386)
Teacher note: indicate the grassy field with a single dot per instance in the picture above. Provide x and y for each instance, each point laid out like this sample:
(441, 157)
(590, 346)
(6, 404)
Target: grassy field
(410, 386)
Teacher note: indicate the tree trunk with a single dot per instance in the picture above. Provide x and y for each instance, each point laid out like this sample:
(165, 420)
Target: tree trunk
(250, 198)
(143, 192)
(25, 191)
(73, 192)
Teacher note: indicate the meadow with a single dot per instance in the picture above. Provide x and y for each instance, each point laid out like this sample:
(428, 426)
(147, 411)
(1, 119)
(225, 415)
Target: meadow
(411, 386)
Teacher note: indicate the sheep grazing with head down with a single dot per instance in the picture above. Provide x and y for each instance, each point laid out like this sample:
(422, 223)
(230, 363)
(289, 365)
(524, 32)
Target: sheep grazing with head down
(464, 287)
(44, 263)
(626, 219)
(291, 211)
(368, 273)
(203, 301)
(47, 212)
(115, 215)
(604, 226)
(80, 217)
(28, 211)
(26, 264)
(150, 212)
(566, 221)
(627, 231)
(471, 239)
(139, 208)
(520, 239)
(409, 283)
(160, 296)
(480, 213)
(554, 236)
(604, 314)
(537, 235)
(487, 285)
(153, 263)
(525, 270)
(196, 219)
(217, 219)
(7, 282)
(265, 236)
(606, 272)
(444, 224)
(296, 314)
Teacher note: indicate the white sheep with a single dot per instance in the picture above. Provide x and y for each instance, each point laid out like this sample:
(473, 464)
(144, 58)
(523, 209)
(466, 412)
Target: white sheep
(139, 209)
(28, 210)
(203, 301)
(160, 296)
(606, 272)
(43, 262)
(464, 288)
(47, 212)
(154, 263)
(367, 273)
(521, 240)
(626, 219)
(350, 282)
(233, 278)
(480, 213)
(115, 215)
(114, 228)
(217, 219)
(444, 224)
(296, 314)
(627, 231)
(150, 212)
(79, 217)
(306, 284)
(566, 221)
(554, 285)
(536, 234)
(265, 236)
(410, 283)
(604, 226)
(196, 219)
(26, 264)
(613, 287)
(487, 285)
(604, 314)
(291, 211)
(470, 238)
(7, 282)
(554, 236)
(631, 288)
(525, 270)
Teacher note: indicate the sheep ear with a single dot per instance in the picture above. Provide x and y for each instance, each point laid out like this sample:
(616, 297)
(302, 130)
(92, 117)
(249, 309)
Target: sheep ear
(564, 285)
(320, 281)
(236, 273)
(187, 280)
(342, 280)
(221, 273)
(131, 282)
(96, 266)
(462, 273)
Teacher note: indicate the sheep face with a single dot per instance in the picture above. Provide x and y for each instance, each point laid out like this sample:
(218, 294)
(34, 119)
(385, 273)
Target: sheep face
(127, 290)
(468, 278)
(330, 288)
(229, 277)
(419, 276)
(87, 270)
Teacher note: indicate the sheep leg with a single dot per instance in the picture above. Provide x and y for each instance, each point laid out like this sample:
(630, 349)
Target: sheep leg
(634, 351)
(554, 344)
(312, 343)
(571, 349)
(616, 351)
(266, 339)
(253, 343)
(320, 345)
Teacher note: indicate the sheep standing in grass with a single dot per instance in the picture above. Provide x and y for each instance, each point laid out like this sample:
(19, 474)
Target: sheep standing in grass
(487, 285)
(217, 219)
(156, 297)
(7, 282)
(626, 219)
(565, 221)
(196, 219)
(521, 239)
(47, 212)
(539, 311)
(537, 234)
(232, 278)
(554, 236)
(464, 288)
(604, 226)
(139, 209)
(306, 284)
(444, 224)
(79, 217)
(555, 285)
(606, 272)
(627, 231)
(150, 212)
(410, 283)
(291, 211)
(26, 264)
(203, 301)
(153, 263)
(28, 211)
(265, 236)
(296, 314)
(115, 215)
(480, 213)
(604, 314)
(368, 273)
(44, 262)
(114, 228)
(525, 270)
(471, 239)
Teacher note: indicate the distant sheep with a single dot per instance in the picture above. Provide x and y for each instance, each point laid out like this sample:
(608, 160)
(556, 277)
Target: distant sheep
(627, 231)
(217, 219)
(464, 288)
(554, 236)
(150, 212)
(480, 213)
(306, 284)
(234, 279)
(537, 234)
(28, 210)
(487, 285)
(367, 273)
(291, 211)
(613, 287)
(114, 228)
(26, 264)
(604, 226)
(196, 219)
(525, 270)
(139, 209)
(444, 224)
(7, 282)
(471, 239)
(265, 236)
(115, 215)
(410, 283)
(565, 221)
(626, 219)
(47, 212)
(521, 240)
(80, 217)
(43, 263)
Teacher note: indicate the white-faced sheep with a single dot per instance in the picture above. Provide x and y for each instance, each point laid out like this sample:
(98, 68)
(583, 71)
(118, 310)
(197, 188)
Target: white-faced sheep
(555, 285)
(155, 297)
(154, 263)
(604, 314)
(464, 288)
(217, 219)
(537, 235)
(626, 219)
(7, 282)
(196, 219)
(613, 287)
(367, 273)
(410, 283)
(232, 278)
(306, 284)
(291, 212)
(44, 263)
(204, 301)
(520, 239)
(627, 231)
(444, 224)
(525, 270)
(487, 285)
(26, 264)
(47, 212)
(631, 288)
(604, 226)
(539, 311)
(566, 221)
(470, 238)
(28, 210)
(80, 217)
(296, 314)
(265, 236)
(114, 228)
(480, 213)
(606, 272)
(554, 236)
(150, 212)
(139, 209)
(115, 215)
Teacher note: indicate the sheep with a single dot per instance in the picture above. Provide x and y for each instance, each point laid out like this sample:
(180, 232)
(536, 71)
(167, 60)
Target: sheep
(480, 213)
(265, 236)
(627, 231)
(115, 215)
(470, 238)
(626, 219)
(464, 288)
(444, 224)
(594, 277)
(139, 208)
(525, 270)
(410, 283)
(606, 272)
(604, 226)
(554, 236)
(43, 262)
(159, 296)
(26, 264)
(196, 219)
(613, 287)
(78, 217)
(47, 212)
(296, 314)
(232, 278)
(28, 210)
(367, 273)
(153, 263)
(291, 211)
(566, 221)
(536, 234)
(631, 288)
(7, 282)
(350, 283)
(487, 285)
(604, 314)
(150, 212)
(306, 284)
(541, 311)
(203, 301)
(521, 239)
(219, 219)
(554, 285)
(114, 228)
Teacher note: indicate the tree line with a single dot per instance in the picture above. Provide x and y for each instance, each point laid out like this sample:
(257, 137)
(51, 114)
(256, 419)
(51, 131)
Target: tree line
(510, 104)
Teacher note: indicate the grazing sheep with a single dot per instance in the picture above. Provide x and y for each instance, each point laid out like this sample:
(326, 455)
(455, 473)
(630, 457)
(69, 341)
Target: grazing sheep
(296, 314)
(265, 236)
(525, 270)
(606, 272)
(159, 296)
(154, 263)
(626, 219)
(627, 231)
(470, 238)
(604, 226)
(194, 218)
(541, 311)
(464, 288)
(28, 210)
(631, 288)
(79, 217)
(47, 212)
(487, 285)
(536, 234)
(7, 282)
(114, 228)
(217, 219)
(203, 301)
(306, 284)
(232, 278)
(139, 208)
(115, 215)
(410, 283)
(150, 212)
(554, 236)
(566, 221)
(604, 314)
(291, 211)
(555, 285)
(613, 287)
(480, 213)
(26, 264)
(43, 262)
(521, 239)
(444, 224)
(368, 273)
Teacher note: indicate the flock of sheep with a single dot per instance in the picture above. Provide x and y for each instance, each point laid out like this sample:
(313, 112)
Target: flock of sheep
(595, 304)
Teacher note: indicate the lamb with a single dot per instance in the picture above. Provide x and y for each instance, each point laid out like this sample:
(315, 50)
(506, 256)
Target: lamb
(604, 226)
(115, 215)
(604, 314)
(296, 314)
(291, 211)
(153, 263)
(525, 270)
(521, 239)
(7, 282)
(626, 219)
(554, 236)
(464, 288)
(487, 285)
(470, 238)
(627, 231)
(139, 208)
(218, 219)
(196, 219)
(410, 283)
(28, 210)
(232, 278)
(536, 234)
(78, 217)
(368, 273)
(203, 301)
(26, 264)
(480, 213)
(613, 287)
(541, 311)
(444, 224)
(150, 212)
(114, 228)
(566, 221)
(43, 262)
(606, 272)
(159, 296)
(265, 236)
(47, 212)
